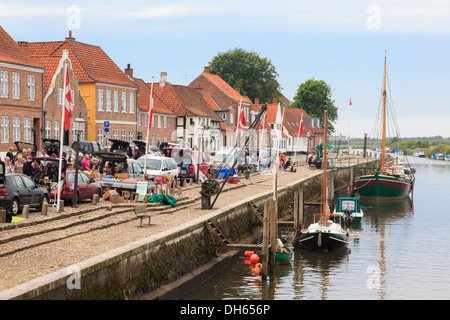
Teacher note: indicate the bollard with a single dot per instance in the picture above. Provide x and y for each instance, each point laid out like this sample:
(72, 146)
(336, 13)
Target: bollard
(44, 209)
(26, 211)
(2, 216)
(95, 199)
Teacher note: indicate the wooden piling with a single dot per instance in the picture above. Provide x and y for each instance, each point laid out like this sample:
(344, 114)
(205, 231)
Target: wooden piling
(273, 232)
(265, 249)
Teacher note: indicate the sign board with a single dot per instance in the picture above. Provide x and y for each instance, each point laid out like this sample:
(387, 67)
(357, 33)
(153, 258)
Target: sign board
(107, 130)
(106, 124)
(107, 135)
(141, 189)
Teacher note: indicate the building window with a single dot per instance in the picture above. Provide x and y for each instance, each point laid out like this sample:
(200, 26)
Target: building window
(31, 88)
(231, 117)
(60, 96)
(3, 84)
(152, 141)
(48, 129)
(124, 102)
(5, 129)
(27, 129)
(100, 99)
(165, 121)
(153, 120)
(116, 101)
(159, 121)
(16, 129)
(131, 102)
(56, 130)
(108, 100)
(224, 116)
(100, 136)
(124, 135)
(130, 135)
(16, 85)
(139, 119)
(116, 134)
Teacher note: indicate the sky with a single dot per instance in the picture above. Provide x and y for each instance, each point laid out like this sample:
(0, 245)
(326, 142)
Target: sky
(343, 43)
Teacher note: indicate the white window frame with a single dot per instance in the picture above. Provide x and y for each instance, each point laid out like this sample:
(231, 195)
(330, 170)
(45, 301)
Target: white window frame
(56, 130)
(130, 135)
(3, 84)
(159, 121)
(116, 134)
(100, 136)
(60, 96)
(48, 129)
(16, 85)
(165, 121)
(124, 102)
(108, 101)
(100, 100)
(27, 129)
(16, 128)
(5, 129)
(123, 136)
(131, 102)
(116, 101)
(31, 85)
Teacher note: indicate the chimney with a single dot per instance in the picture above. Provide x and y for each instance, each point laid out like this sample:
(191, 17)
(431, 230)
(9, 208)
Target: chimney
(128, 71)
(206, 69)
(163, 79)
(69, 38)
(256, 100)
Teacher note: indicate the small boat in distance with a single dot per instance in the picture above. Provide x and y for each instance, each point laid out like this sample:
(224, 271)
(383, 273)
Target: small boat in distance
(348, 210)
(419, 154)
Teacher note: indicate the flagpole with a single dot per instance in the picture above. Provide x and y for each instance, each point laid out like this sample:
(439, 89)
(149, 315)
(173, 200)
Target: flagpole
(61, 139)
(149, 123)
(237, 122)
(261, 139)
(299, 128)
(275, 187)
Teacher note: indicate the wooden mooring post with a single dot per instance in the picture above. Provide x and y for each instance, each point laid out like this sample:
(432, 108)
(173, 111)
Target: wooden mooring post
(265, 249)
(273, 233)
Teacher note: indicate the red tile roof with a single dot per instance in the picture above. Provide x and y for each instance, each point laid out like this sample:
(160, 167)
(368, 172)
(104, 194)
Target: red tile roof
(89, 63)
(144, 96)
(11, 51)
(225, 87)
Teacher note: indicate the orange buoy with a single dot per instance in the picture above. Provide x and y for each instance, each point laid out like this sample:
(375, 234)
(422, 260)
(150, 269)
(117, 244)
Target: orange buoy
(254, 258)
(257, 269)
(249, 253)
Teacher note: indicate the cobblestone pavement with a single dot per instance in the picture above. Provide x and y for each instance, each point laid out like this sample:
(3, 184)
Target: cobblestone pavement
(58, 240)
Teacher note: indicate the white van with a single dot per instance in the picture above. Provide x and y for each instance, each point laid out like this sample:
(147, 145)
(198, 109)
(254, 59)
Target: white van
(158, 166)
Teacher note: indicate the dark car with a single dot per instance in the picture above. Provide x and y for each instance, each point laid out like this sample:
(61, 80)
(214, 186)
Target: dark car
(86, 187)
(88, 147)
(18, 190)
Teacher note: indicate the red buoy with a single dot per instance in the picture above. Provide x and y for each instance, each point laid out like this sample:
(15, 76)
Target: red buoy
(254, 258)
(249, 253)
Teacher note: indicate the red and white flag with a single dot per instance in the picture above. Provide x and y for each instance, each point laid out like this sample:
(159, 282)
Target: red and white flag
(150, 108)
(68, 101)
(300, 130)
(349, 101)
(241, 119)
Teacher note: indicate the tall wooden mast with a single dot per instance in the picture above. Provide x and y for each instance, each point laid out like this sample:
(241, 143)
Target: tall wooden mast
(383, 142)
(325, 161)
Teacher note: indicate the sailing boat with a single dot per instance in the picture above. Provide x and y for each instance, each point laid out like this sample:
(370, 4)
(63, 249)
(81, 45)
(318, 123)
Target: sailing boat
(325, 234)
(388, 181)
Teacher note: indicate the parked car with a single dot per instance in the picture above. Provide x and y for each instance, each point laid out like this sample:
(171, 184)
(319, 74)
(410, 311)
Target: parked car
(158, 166)
(88, 147)
(187, 161)
(18, 190)
(86, 187)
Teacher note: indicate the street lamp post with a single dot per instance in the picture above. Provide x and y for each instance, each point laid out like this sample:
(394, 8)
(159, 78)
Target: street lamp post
(78, 126)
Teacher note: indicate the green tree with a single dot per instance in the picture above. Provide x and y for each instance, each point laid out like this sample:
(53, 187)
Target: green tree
(311, 96)
(256, 77)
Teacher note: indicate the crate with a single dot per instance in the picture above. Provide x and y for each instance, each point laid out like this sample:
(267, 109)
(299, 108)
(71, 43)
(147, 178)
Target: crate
(233, 180)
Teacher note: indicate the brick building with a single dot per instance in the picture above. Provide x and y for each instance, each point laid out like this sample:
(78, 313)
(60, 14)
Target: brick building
(109, 94)
(164, 120)
(21, 93)
(226, 100)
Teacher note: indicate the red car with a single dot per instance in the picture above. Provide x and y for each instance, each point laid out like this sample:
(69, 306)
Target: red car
(86, 187)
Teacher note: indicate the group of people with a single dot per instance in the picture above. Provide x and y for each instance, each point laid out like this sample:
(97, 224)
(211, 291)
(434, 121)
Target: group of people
(286, 164)
(22, 162)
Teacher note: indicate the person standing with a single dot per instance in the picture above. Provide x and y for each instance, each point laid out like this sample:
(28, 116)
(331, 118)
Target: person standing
(10, 155)
(18, 165)
(27, 168)
(9, 166)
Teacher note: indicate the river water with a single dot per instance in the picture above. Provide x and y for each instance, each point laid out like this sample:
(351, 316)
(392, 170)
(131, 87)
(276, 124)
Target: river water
(400, 251)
